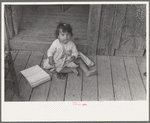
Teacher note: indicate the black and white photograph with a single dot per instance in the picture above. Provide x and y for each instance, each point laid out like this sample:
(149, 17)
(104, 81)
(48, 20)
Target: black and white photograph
(75, 52)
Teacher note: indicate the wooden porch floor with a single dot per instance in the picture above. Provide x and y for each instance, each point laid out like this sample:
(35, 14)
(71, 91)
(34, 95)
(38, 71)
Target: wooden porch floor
(119, 78)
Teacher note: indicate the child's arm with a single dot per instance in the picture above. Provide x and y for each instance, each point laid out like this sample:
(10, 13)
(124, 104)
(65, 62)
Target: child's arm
(50, 53)
(51, 61)
(74, 54)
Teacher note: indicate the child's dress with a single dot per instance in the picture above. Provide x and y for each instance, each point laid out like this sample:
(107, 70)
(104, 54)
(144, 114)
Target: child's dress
(61, 54)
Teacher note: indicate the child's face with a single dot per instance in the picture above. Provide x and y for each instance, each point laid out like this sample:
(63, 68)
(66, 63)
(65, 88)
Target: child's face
(64, 37)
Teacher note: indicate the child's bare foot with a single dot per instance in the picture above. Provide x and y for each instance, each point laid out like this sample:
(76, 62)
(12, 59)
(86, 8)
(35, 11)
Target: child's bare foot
(91, 72)
(76, 71)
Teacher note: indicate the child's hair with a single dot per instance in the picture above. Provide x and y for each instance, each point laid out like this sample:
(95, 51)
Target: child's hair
(65, 28)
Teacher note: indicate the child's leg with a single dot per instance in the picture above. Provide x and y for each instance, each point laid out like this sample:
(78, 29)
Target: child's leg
(83, 66)
(69, 70)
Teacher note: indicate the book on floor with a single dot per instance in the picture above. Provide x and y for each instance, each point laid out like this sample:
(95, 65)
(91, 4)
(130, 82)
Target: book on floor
(35, 75)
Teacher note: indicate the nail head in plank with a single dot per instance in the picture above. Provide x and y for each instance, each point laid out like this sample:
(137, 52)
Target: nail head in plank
(120, 81)
(104, 79)
(135, 80)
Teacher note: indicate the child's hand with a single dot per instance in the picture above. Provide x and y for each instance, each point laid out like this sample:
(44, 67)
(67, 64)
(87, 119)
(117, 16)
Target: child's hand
(51, 61)
(72, 58)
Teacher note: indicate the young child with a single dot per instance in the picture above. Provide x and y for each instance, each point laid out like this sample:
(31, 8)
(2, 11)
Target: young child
(63, 56)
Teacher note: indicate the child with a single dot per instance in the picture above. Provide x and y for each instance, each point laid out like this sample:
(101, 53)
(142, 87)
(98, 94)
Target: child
(63, 56)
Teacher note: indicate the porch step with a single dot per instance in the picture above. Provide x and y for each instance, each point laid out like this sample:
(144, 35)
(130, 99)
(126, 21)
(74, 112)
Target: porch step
(38, 43)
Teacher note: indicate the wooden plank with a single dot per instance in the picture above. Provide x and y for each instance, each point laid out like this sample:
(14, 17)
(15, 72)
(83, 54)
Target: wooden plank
(39, 46)
(76, 11)
(74, 86)
(9, 21)
(141, 62)
(14, 55)
(118, 22)
(135, 80)
(120, 81)
(20, 63)
(40, 92)
(93, 28)
(9, 94)
(25, 88)
(89, 92)
(140, 27)
(104, 79)
(131, 52)
(105, 32)
(16, 16)
(132, 40)
(43, 39)
(57, 89)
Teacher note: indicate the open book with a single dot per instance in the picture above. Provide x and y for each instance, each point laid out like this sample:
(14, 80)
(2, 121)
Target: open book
(35, 75)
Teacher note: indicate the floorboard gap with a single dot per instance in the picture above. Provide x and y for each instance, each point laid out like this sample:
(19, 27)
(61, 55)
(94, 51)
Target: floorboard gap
(140, 75)
(127, 78)
(65, 87)
(112, 80)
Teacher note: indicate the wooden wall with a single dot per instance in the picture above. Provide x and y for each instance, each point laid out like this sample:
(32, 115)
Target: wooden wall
(16, 16)
(121, 28)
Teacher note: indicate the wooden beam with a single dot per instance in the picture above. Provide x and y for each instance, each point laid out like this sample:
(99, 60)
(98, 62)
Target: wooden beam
(118, 23)
(133, 38)
(93, 28)
(9, 21)
(105, 32)
(16, 16)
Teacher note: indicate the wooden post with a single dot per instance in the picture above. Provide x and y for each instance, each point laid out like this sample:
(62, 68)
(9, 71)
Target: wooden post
(93, 28)
(9, 21)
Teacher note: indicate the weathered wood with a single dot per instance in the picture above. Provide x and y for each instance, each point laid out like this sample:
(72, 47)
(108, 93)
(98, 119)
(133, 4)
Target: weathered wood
(50, 33)
(132, 41)
(135, 80)
(104, 79)
(39, 46)
(140, 27)
(51, 9)
(9, 21)
(141, 62)
(118, 22)
(93, 28)
(120, 81)
(105, 33)
(89, 92)
(131, 52)
(14, 55)
(44, 39)
(16, 16)
(8, 94)
(25, 88)
(20, 62)
(40, 92)
(74, 86)
(57, 89)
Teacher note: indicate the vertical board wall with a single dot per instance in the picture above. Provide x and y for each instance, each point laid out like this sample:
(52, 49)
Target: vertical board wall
(122, 30)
